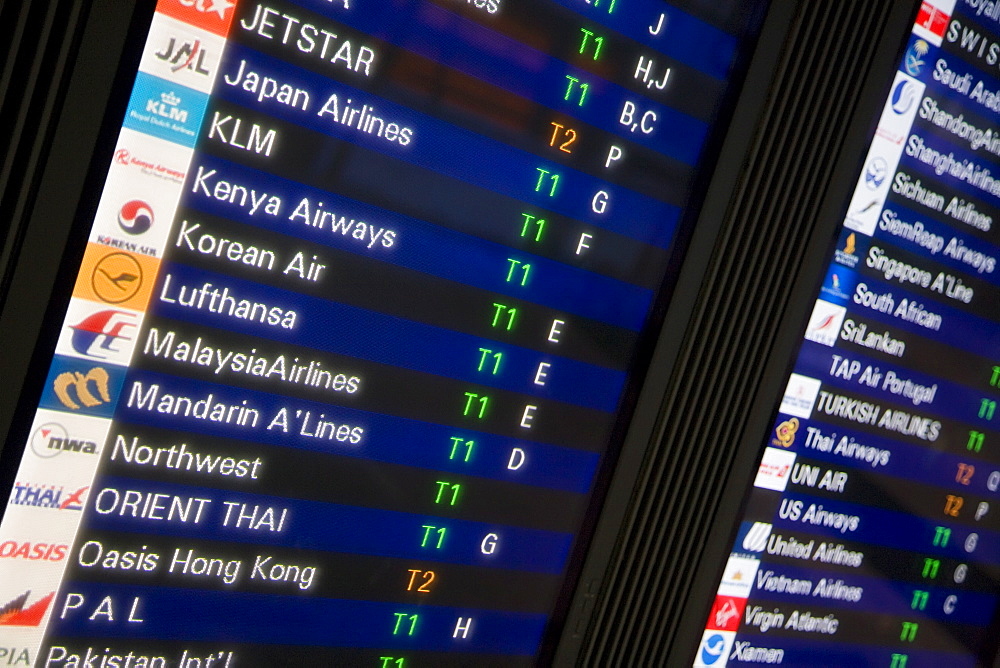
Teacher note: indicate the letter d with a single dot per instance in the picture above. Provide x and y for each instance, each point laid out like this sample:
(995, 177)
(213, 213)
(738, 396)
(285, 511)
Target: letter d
(517, 459)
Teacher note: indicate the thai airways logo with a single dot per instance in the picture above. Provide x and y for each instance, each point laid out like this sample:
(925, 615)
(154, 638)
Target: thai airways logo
(135, 217)
(56, 497)
(825, 322)
(784, 433)
(98, 334)
(913, 61)
(904, 97)
(72, 387)
(19, 613)
(53, 438)
(116, 278)
(184, 56)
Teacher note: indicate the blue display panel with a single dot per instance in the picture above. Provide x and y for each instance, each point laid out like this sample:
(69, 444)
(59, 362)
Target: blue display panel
(871, 536)
(360, 326)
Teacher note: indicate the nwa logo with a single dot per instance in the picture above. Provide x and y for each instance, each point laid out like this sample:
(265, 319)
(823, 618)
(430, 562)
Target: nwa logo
(51, 439)
(184, 56)
(38, 495)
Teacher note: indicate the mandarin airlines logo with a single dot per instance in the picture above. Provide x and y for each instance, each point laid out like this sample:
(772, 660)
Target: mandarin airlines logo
(135, 217)
(98, 335)
(784, 433)
(20, 611)
(53, 438)
(72, 387)
(55, 497)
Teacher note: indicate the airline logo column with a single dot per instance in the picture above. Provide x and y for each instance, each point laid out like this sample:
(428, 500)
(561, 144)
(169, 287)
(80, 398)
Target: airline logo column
(98, 336)
(718, 645)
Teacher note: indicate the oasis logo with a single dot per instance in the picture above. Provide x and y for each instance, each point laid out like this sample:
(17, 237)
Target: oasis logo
(80, 385)
(13, 549)
(52, 438)
(18, 613)
(47, 496)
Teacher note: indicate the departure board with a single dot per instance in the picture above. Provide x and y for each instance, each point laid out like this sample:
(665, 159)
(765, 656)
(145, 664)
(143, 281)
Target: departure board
(870, 537)
(359, 326)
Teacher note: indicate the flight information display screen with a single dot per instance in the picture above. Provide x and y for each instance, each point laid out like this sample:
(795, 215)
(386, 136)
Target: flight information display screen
(358, 328)
(871, 536)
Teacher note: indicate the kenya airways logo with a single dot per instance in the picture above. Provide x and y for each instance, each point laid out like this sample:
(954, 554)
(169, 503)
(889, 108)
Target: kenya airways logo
(18, 613)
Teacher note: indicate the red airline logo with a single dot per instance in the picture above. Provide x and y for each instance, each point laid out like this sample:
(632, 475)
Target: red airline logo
(933, 19)
(15, 613)
(212, 15)
(726, 613)
(13, 549)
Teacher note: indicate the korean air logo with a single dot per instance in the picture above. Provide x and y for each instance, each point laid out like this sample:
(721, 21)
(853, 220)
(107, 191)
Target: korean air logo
(135, 217)
(904, 96)
(876, 173)
(98, 334)
(712, 649)
(913, 61)
(756, 538)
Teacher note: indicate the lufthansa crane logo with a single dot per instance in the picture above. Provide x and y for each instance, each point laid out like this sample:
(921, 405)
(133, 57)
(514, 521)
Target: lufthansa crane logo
(80, 384)
(116, 278)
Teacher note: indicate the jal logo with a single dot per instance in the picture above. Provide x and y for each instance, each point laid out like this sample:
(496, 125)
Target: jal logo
(913, 61)
(53, 438)
(184, 56)
(99, 334)
(135, 217)
(20, 612)
(72, 387)
(56, 497)
(784, 434)
(13, 549)
(116, 278)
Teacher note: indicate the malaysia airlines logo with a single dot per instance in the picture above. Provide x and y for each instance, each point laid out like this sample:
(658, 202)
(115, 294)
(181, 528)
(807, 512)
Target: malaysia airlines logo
(135, 217)
(97, 334)
(184, 56)
(18, 613)
(55, 497)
